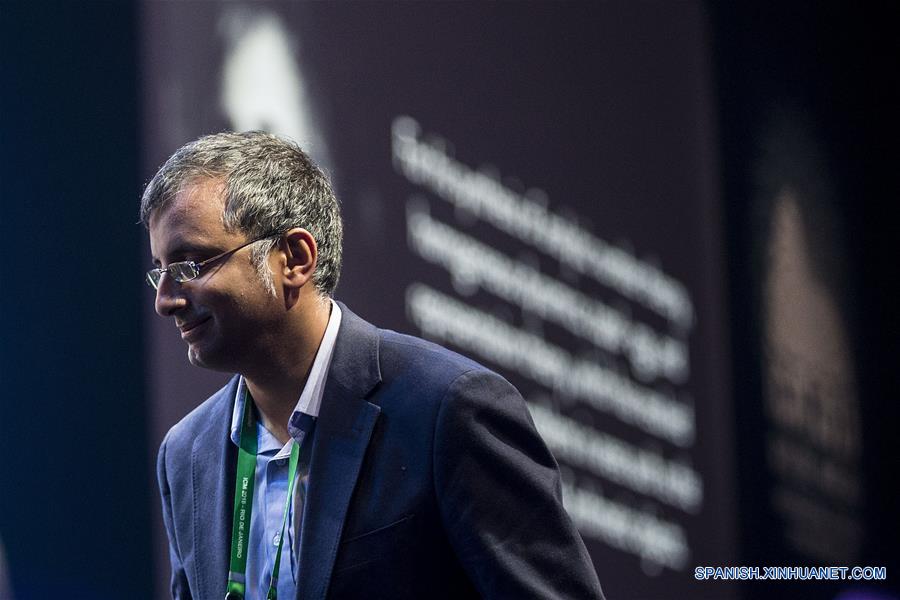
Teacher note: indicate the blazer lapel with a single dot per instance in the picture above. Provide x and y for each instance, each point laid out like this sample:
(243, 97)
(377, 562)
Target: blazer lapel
(212, 479)
(343, 430)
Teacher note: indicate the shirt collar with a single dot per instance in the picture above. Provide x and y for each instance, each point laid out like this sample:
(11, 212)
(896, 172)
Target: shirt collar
(307, 409)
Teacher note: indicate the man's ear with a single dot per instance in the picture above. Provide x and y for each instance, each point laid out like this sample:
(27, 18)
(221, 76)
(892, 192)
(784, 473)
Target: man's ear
(300, 252)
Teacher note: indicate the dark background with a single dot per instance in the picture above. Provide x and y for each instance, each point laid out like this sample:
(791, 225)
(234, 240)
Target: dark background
(75, 496)
(838, 64)
(75, 499)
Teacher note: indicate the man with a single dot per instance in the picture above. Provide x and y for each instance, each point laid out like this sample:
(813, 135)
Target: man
(341, 460)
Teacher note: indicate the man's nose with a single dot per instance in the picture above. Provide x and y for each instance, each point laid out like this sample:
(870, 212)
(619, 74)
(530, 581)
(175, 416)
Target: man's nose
(169, 296)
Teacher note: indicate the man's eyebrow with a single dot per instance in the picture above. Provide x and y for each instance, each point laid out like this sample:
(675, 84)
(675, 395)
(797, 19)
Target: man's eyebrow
(182, 249)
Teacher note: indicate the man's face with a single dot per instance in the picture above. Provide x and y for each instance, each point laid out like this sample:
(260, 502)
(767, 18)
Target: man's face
(226, 316)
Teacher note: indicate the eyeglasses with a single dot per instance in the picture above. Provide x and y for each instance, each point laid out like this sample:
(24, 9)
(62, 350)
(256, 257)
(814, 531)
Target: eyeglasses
(188, 270)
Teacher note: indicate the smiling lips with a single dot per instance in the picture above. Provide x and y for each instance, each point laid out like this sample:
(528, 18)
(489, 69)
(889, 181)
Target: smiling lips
(188, 328)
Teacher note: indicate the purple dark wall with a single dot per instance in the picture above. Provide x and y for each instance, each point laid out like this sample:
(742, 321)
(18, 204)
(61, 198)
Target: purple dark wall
(442, 126)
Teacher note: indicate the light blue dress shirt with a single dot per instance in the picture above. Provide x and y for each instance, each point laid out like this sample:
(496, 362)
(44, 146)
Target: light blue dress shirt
(270, 487)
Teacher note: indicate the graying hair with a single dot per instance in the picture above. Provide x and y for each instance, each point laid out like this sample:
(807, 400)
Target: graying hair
(270, 186)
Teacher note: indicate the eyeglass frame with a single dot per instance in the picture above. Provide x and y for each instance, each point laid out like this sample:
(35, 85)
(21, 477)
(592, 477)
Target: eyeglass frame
(194, 267)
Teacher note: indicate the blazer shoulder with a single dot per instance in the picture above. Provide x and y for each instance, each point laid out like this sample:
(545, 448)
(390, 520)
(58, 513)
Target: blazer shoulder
(430, 366)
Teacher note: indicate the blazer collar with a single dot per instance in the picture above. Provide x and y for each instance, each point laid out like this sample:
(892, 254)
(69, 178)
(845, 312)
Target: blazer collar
(213, 464)
(343, 430)
(355, 368)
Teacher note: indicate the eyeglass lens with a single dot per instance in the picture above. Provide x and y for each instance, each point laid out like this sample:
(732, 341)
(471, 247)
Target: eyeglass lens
(180, 272)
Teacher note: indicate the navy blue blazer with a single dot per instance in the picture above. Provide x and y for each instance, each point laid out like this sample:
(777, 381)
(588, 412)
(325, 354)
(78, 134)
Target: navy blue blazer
(427, 480)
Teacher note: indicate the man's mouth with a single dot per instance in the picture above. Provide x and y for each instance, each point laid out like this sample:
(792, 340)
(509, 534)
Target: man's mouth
(190, 326)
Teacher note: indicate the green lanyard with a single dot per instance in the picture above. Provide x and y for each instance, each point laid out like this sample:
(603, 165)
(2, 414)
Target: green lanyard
(243, 508)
